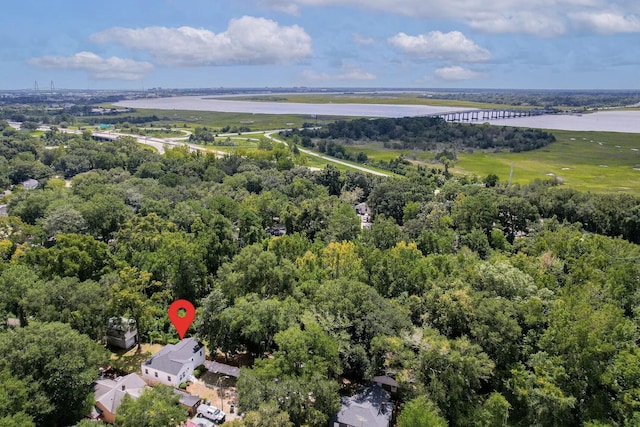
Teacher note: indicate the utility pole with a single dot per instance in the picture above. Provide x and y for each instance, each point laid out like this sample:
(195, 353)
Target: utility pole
(511, 173)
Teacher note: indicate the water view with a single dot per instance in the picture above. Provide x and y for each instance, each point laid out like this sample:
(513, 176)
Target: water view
(607, 121)
(610, 121)
(197, 103)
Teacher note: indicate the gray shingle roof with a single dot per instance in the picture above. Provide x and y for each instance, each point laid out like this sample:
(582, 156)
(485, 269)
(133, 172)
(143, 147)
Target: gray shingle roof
(172, 357)
(221, 368)
(383, 379)
(370, 407)
(109, 393)
(185, 398)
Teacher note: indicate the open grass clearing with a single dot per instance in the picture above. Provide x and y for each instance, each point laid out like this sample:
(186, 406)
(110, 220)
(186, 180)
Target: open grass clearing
(377, 151)
(131, 360)
(606, 162)
(218, 120)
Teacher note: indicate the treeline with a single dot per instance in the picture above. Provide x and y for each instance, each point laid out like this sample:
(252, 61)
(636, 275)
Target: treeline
(483, 301)
(426, 133)
(113, 119)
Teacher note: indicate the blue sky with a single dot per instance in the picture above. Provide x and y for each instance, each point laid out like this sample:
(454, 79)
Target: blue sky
(136, 44)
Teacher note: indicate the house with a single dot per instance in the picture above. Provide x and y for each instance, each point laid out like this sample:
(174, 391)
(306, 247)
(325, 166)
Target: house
(386, 383)
(13, 322)
(109, 394)
(30, 184)
(363, 209)
(371, 408)
(175, 363)
(122, 332)
(364, 213)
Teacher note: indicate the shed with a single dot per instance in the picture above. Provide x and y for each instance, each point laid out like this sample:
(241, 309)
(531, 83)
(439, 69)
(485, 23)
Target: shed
(387, 383)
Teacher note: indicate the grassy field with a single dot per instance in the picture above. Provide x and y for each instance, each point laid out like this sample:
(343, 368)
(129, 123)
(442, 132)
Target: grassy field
(589, 161)
(216, 120)
(382, 98)
(377, 151)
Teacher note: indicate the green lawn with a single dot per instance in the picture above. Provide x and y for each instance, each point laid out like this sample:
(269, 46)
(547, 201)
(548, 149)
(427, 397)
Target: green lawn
(588, 161)
(377, 151)
(216, 120)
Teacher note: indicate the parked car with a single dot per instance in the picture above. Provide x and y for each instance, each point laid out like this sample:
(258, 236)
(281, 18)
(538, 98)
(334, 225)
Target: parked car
(212, 413)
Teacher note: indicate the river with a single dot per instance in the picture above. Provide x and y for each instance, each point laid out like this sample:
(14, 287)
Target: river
(606, 121)
(199, 103)
(609, 121)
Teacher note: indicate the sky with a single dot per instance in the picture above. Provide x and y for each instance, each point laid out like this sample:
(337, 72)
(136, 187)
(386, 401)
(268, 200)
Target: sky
(142, 44)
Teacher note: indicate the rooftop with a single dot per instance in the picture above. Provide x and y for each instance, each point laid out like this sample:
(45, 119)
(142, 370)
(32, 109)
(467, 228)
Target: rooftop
(109, 393)
(383, 379)
(172, 357)
(371, 407)
(221, 368)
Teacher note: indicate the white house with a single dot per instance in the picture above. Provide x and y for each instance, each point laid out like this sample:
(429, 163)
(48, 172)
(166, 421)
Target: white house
(175, 363)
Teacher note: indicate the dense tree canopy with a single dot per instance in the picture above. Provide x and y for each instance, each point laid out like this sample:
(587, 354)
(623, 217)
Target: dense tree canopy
(490, 305)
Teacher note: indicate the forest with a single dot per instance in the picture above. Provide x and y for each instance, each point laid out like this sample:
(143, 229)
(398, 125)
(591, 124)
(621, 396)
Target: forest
(426, 133)
(490, 304)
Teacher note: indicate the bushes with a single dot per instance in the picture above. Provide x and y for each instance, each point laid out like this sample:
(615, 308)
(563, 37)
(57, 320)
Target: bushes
(199, 371)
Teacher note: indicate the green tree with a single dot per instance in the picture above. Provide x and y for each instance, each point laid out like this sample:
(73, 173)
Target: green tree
(59, 363)
(267, 415)
(64, 219)
(76, 255)
(15, 401)
(256, 270)
(453, 372)
(155, 407)
(344, 224)
(129, 298)
(104, 214)
(420, 412)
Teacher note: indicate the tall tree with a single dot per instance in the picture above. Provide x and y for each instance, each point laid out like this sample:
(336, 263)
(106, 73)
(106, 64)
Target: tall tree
(155, 407)
(59, 363)
(420, 412)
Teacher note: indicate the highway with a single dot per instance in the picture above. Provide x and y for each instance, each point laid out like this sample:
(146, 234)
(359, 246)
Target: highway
(160, 143)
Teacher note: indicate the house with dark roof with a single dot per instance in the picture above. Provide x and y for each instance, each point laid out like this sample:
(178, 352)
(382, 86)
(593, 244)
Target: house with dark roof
(371, 407)
(109, 394)
(175, 363)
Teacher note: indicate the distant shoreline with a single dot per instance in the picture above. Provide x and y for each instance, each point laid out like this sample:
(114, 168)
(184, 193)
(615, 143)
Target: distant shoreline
(606, 121)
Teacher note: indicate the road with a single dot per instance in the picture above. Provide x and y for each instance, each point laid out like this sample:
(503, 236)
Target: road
(160, 144)
(269, 134)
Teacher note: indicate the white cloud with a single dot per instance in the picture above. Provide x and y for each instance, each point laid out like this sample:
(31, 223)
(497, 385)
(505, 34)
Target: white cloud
(542, 18)
(540, 24)
(98, 68)
(607, 22)
(457, 73)
(360, 39)
(452, 46)
(247, 40)
(348, 72)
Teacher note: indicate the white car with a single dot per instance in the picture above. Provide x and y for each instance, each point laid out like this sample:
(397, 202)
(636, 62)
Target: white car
(211, 413)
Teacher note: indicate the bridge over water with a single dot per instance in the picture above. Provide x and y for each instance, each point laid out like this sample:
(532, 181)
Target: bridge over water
(484, 115)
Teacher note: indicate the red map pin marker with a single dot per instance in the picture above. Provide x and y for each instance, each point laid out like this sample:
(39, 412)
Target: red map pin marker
(181, 323)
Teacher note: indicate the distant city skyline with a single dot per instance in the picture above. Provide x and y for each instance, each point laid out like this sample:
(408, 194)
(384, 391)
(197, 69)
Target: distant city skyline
(505, 44)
